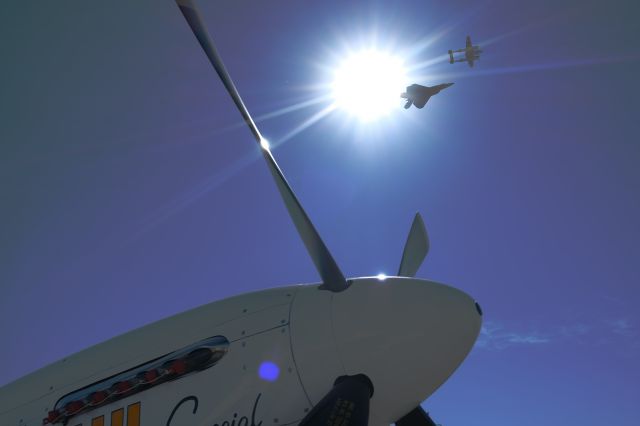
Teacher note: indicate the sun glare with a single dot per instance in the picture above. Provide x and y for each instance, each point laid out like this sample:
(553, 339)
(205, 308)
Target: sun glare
(368, 84)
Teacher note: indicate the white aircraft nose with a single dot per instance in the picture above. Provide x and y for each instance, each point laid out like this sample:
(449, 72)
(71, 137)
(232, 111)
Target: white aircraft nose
(407, 335)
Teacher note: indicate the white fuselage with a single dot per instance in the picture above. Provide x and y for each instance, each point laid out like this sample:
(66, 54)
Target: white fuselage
(407, 335)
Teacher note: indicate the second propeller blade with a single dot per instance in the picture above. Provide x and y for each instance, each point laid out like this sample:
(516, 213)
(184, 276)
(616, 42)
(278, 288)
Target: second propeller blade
(415, 249)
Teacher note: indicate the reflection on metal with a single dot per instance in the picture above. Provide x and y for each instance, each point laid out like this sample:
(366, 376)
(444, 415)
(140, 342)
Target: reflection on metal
(177, 364)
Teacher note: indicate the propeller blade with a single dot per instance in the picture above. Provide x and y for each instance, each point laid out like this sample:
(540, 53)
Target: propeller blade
(346, 404)
(415, 249)
(416, 417)
(332, 277)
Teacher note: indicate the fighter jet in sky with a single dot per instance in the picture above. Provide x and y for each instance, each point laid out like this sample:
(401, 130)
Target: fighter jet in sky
(419, 95)
(471, 53)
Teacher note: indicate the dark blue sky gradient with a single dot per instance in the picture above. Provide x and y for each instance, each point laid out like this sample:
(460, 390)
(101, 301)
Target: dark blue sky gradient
(130, 191)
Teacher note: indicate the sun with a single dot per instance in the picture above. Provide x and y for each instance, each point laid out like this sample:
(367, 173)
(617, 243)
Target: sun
(367, 84)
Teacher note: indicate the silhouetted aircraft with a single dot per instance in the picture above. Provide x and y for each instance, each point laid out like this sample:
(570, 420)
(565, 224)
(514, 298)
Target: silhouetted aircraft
(471, 53)
(419, 95)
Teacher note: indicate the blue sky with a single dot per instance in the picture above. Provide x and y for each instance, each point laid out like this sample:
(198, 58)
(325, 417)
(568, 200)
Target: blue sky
(131, 192)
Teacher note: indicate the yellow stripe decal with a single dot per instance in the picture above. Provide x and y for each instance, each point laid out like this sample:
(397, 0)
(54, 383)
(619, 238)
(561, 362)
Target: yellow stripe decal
(133, 414)
(117, 417)
(98, 421)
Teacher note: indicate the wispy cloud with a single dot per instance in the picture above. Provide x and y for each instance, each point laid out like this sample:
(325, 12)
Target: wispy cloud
(495, 335)
(573, 330)
(621, 327)
(528, 339)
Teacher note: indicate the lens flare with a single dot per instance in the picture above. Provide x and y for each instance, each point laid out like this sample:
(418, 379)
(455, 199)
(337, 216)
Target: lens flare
(268, 371)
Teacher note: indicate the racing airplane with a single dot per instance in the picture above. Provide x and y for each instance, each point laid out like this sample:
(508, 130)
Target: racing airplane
(344, 351)
(471, 53)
